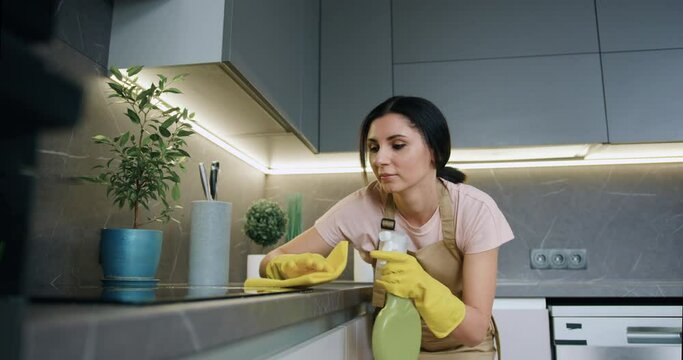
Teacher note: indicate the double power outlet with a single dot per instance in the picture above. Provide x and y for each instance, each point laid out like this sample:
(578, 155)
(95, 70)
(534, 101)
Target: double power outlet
(571, 259)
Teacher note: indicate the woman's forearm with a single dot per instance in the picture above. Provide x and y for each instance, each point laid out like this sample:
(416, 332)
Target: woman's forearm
(473, 329)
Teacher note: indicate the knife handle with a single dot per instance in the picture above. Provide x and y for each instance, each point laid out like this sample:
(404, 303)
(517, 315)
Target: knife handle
(213, 179)
(205, 185)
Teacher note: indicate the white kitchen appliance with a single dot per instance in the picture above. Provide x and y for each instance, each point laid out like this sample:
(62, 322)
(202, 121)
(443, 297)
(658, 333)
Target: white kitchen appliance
(617, 332)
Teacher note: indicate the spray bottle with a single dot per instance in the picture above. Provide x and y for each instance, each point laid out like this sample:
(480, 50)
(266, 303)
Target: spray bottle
(397, 331)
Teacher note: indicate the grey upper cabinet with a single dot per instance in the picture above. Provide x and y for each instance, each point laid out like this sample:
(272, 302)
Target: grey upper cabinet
(513, 102)
(160, 33)
(640, 24)
(439, 30)
(274, 44)
(355, 68)
(643, 92)
(86, 27)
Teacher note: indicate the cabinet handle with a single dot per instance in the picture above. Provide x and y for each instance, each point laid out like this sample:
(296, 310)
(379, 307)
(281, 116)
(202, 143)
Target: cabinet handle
(653, 335)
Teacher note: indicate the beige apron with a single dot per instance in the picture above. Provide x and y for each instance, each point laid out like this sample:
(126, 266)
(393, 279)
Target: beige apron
(443, 261)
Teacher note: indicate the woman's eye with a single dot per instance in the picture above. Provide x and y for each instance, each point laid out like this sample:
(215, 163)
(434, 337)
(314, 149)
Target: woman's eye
(398, 146)
(373, 148)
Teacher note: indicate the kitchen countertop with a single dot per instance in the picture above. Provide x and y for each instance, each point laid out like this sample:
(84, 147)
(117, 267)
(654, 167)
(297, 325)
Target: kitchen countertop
(590, 289)
(111, 331)
(114, 331)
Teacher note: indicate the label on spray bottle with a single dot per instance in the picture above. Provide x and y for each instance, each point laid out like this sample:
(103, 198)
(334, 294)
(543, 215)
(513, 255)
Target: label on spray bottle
(397, 331)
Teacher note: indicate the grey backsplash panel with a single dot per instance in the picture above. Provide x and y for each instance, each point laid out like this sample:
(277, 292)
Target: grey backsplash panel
(67, 216)
(629, 218)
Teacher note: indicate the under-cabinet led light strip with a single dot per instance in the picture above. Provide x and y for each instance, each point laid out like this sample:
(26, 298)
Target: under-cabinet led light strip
(580, 158)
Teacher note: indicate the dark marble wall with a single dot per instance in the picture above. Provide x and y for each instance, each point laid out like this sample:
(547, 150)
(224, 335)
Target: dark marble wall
(628, 217)
(67, 216)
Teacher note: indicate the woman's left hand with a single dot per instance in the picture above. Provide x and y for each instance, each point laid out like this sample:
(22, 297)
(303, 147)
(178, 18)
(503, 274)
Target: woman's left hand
(403, 276)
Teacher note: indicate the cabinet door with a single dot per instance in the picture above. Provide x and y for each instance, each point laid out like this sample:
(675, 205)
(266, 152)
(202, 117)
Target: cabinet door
(640, 24)
(524, 328)
(509, 102)
(644, 95)
(274, 45)
(438, 30)
(162, 33)
(330, 345)
(355, 68)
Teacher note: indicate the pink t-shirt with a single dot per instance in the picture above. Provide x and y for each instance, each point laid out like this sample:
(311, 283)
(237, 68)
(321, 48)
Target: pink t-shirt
(480, 225)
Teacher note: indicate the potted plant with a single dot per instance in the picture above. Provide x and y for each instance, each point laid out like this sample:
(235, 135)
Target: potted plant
(265, 224)
(142, 169)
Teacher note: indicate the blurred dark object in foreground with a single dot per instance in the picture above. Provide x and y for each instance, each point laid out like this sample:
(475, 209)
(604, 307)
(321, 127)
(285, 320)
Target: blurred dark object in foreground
(31, 99)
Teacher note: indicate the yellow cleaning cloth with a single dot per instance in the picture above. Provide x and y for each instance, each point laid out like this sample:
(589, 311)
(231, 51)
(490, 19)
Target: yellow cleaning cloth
(336, 261)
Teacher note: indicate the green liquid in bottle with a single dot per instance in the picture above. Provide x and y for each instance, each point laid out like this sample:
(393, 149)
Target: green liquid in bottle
(397, 332)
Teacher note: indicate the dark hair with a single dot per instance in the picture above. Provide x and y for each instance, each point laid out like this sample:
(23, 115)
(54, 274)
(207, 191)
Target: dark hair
(427, 118)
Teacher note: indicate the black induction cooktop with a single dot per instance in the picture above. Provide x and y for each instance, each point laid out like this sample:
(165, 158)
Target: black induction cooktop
(151, 293)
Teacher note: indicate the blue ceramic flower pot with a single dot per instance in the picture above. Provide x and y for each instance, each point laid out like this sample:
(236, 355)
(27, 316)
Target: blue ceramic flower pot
(130, 253)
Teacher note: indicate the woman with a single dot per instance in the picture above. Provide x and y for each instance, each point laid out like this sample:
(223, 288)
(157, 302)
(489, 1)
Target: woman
(455, 230)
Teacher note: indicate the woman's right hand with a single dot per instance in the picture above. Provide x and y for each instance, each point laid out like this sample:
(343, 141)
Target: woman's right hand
(303, 246)
(288, 266)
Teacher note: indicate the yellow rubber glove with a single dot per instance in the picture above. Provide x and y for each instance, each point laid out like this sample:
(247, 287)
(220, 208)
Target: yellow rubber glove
(301, 265)
(288, 266)
(403, 276)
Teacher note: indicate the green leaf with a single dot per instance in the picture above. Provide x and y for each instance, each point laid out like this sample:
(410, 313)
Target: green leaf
(143, 94)
(191, 116)
(176, 192)
(170, 111)
(164, 132)
(124, 138)
(173, 90)
(143, 103)
(185, 133)
(183, 152)
(133, 116)
(116, 73)
(116, 87)
(133, 70)
(172, 120)
(162, 77)
(101, 139)
(179, 77)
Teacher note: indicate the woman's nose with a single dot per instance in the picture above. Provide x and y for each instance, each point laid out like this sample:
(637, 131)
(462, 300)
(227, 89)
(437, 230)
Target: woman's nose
(381, 157)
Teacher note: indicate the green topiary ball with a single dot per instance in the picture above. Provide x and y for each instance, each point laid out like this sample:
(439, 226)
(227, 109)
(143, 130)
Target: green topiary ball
(265, 222)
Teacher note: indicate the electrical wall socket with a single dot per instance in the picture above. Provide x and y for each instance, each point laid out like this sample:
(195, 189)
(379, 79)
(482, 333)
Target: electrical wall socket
(573, 259)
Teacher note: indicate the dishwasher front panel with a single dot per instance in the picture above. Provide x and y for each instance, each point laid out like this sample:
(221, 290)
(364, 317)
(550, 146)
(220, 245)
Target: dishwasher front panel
(569, 352)
(603, 338)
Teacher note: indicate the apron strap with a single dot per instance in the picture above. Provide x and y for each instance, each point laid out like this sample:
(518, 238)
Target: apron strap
(388, 222)
(496, 337)
(448, 225)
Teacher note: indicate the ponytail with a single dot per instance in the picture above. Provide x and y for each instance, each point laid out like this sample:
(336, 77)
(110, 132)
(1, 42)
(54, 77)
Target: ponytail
(451, 174)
